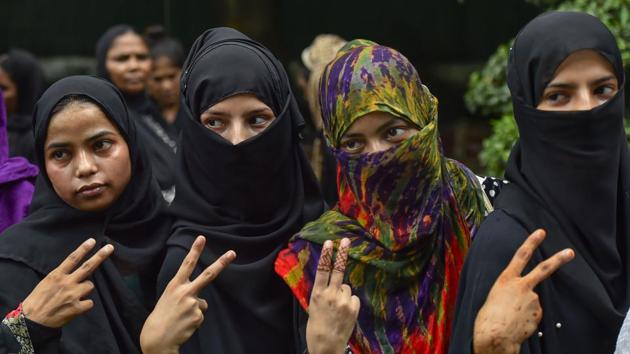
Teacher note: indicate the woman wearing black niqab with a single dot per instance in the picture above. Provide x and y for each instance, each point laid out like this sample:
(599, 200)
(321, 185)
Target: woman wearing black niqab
(157, 137)
(250, 197)
(570, 175)
(27, 76)
(135, 224)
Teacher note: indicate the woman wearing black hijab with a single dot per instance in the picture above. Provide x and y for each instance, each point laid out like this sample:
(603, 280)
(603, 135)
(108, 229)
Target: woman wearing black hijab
(570, 175)
(22, 81)
(128, 214)
(122, 57)
(250, 197)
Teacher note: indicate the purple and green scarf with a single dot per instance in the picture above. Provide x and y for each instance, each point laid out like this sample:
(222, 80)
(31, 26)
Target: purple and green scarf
(408, 211)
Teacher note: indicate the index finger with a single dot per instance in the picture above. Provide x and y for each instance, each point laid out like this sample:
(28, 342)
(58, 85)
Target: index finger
(324, 266)
(341, 259)
(91, 264)
(546, 268)
(74, 258)
(524, 253)
(190, 261)
(211, 272)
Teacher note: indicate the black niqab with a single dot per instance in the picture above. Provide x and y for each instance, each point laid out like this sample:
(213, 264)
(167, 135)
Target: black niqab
(250, 197)
(574, 164)
(135, 224)
(570, 175)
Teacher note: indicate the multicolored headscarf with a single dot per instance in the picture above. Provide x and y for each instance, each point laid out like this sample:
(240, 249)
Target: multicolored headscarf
(408, 211)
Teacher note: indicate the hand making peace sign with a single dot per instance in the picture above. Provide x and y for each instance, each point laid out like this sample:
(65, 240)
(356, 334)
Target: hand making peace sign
(179, 311)
(512, 310)
(332, 310)
(60, 296)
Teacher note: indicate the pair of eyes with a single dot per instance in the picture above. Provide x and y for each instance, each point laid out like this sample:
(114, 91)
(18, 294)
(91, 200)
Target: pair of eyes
(160, 79)
(65, 154)
(563, 96)
(392, 135)
(125, 57)
(257, 122)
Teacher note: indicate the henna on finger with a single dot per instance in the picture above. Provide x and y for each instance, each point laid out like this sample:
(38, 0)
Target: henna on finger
(325, 259)
(341, 260)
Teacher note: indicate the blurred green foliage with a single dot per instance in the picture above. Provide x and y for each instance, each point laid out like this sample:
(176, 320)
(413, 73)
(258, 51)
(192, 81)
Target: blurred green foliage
(489, 96)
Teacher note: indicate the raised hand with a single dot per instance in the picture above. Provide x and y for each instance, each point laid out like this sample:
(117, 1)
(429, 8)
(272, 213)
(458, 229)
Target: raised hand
(512, 310)
(60, 296)
(333, 310)
(179, 311)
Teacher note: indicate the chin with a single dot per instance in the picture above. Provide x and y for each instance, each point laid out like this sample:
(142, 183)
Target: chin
(93, 205)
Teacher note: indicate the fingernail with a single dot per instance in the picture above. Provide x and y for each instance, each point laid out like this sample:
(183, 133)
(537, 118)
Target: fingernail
(568, 252)
(109, 248)
(90, 242)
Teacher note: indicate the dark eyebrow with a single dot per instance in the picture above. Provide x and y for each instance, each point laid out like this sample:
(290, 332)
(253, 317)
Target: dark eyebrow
(261, 110)
(561, 85)
(63, 144)
(215, 112)
(99, 135)
(572, 86)
(601, 80)
(380, 129)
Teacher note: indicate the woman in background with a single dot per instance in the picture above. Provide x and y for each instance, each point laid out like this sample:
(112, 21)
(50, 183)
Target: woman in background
(123, 58)
(22, 81)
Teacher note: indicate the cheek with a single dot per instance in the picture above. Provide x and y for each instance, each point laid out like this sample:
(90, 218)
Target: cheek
(118, 167)
(60, 177)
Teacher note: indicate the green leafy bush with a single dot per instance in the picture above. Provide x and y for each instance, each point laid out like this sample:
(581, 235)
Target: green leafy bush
(489, 96)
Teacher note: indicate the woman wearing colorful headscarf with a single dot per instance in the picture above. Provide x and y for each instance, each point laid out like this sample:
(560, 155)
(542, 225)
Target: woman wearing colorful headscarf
(408, 211)
(569, 174)
(244, 182)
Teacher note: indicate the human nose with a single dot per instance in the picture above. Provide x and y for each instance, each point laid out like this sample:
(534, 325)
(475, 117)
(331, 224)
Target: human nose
(376, 145)
(86, 165)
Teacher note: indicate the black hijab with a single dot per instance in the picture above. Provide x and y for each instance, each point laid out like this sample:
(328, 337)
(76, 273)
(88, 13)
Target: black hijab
(157, 136)
(28, 77)
(250, 197)
(570, 173)
(135, 224)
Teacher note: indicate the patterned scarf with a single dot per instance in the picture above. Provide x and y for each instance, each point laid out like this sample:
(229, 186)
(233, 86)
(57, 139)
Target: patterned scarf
(408, 211)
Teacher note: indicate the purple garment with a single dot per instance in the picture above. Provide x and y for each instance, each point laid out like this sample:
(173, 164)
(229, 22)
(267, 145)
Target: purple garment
(17, 179)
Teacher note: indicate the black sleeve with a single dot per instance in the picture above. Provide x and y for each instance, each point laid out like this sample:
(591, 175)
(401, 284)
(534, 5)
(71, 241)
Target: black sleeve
(17, 281)
(497, 240)
(8, 344)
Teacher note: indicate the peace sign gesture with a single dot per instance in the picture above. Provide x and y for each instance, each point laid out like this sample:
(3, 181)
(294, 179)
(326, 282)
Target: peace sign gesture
(179, 311)
(512, 310)
(60, 296)
(332, 310)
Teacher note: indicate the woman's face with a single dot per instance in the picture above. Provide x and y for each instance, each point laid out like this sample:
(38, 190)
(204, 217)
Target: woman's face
(582, 82)
(86, 157)
(238, 118)
(9, 91)
(163, 82)
(128, 63)
(374, 132)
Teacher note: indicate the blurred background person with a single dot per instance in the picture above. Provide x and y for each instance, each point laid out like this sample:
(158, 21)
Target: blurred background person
(315, 57)
(22, 81)
(168, 55)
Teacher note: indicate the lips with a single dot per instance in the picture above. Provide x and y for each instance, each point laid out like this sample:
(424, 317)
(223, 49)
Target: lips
(91, 190)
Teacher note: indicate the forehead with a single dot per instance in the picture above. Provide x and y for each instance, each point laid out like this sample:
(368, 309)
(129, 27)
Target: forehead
(240, 102)
(584, 64)
(78, 120)
(127, 42)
